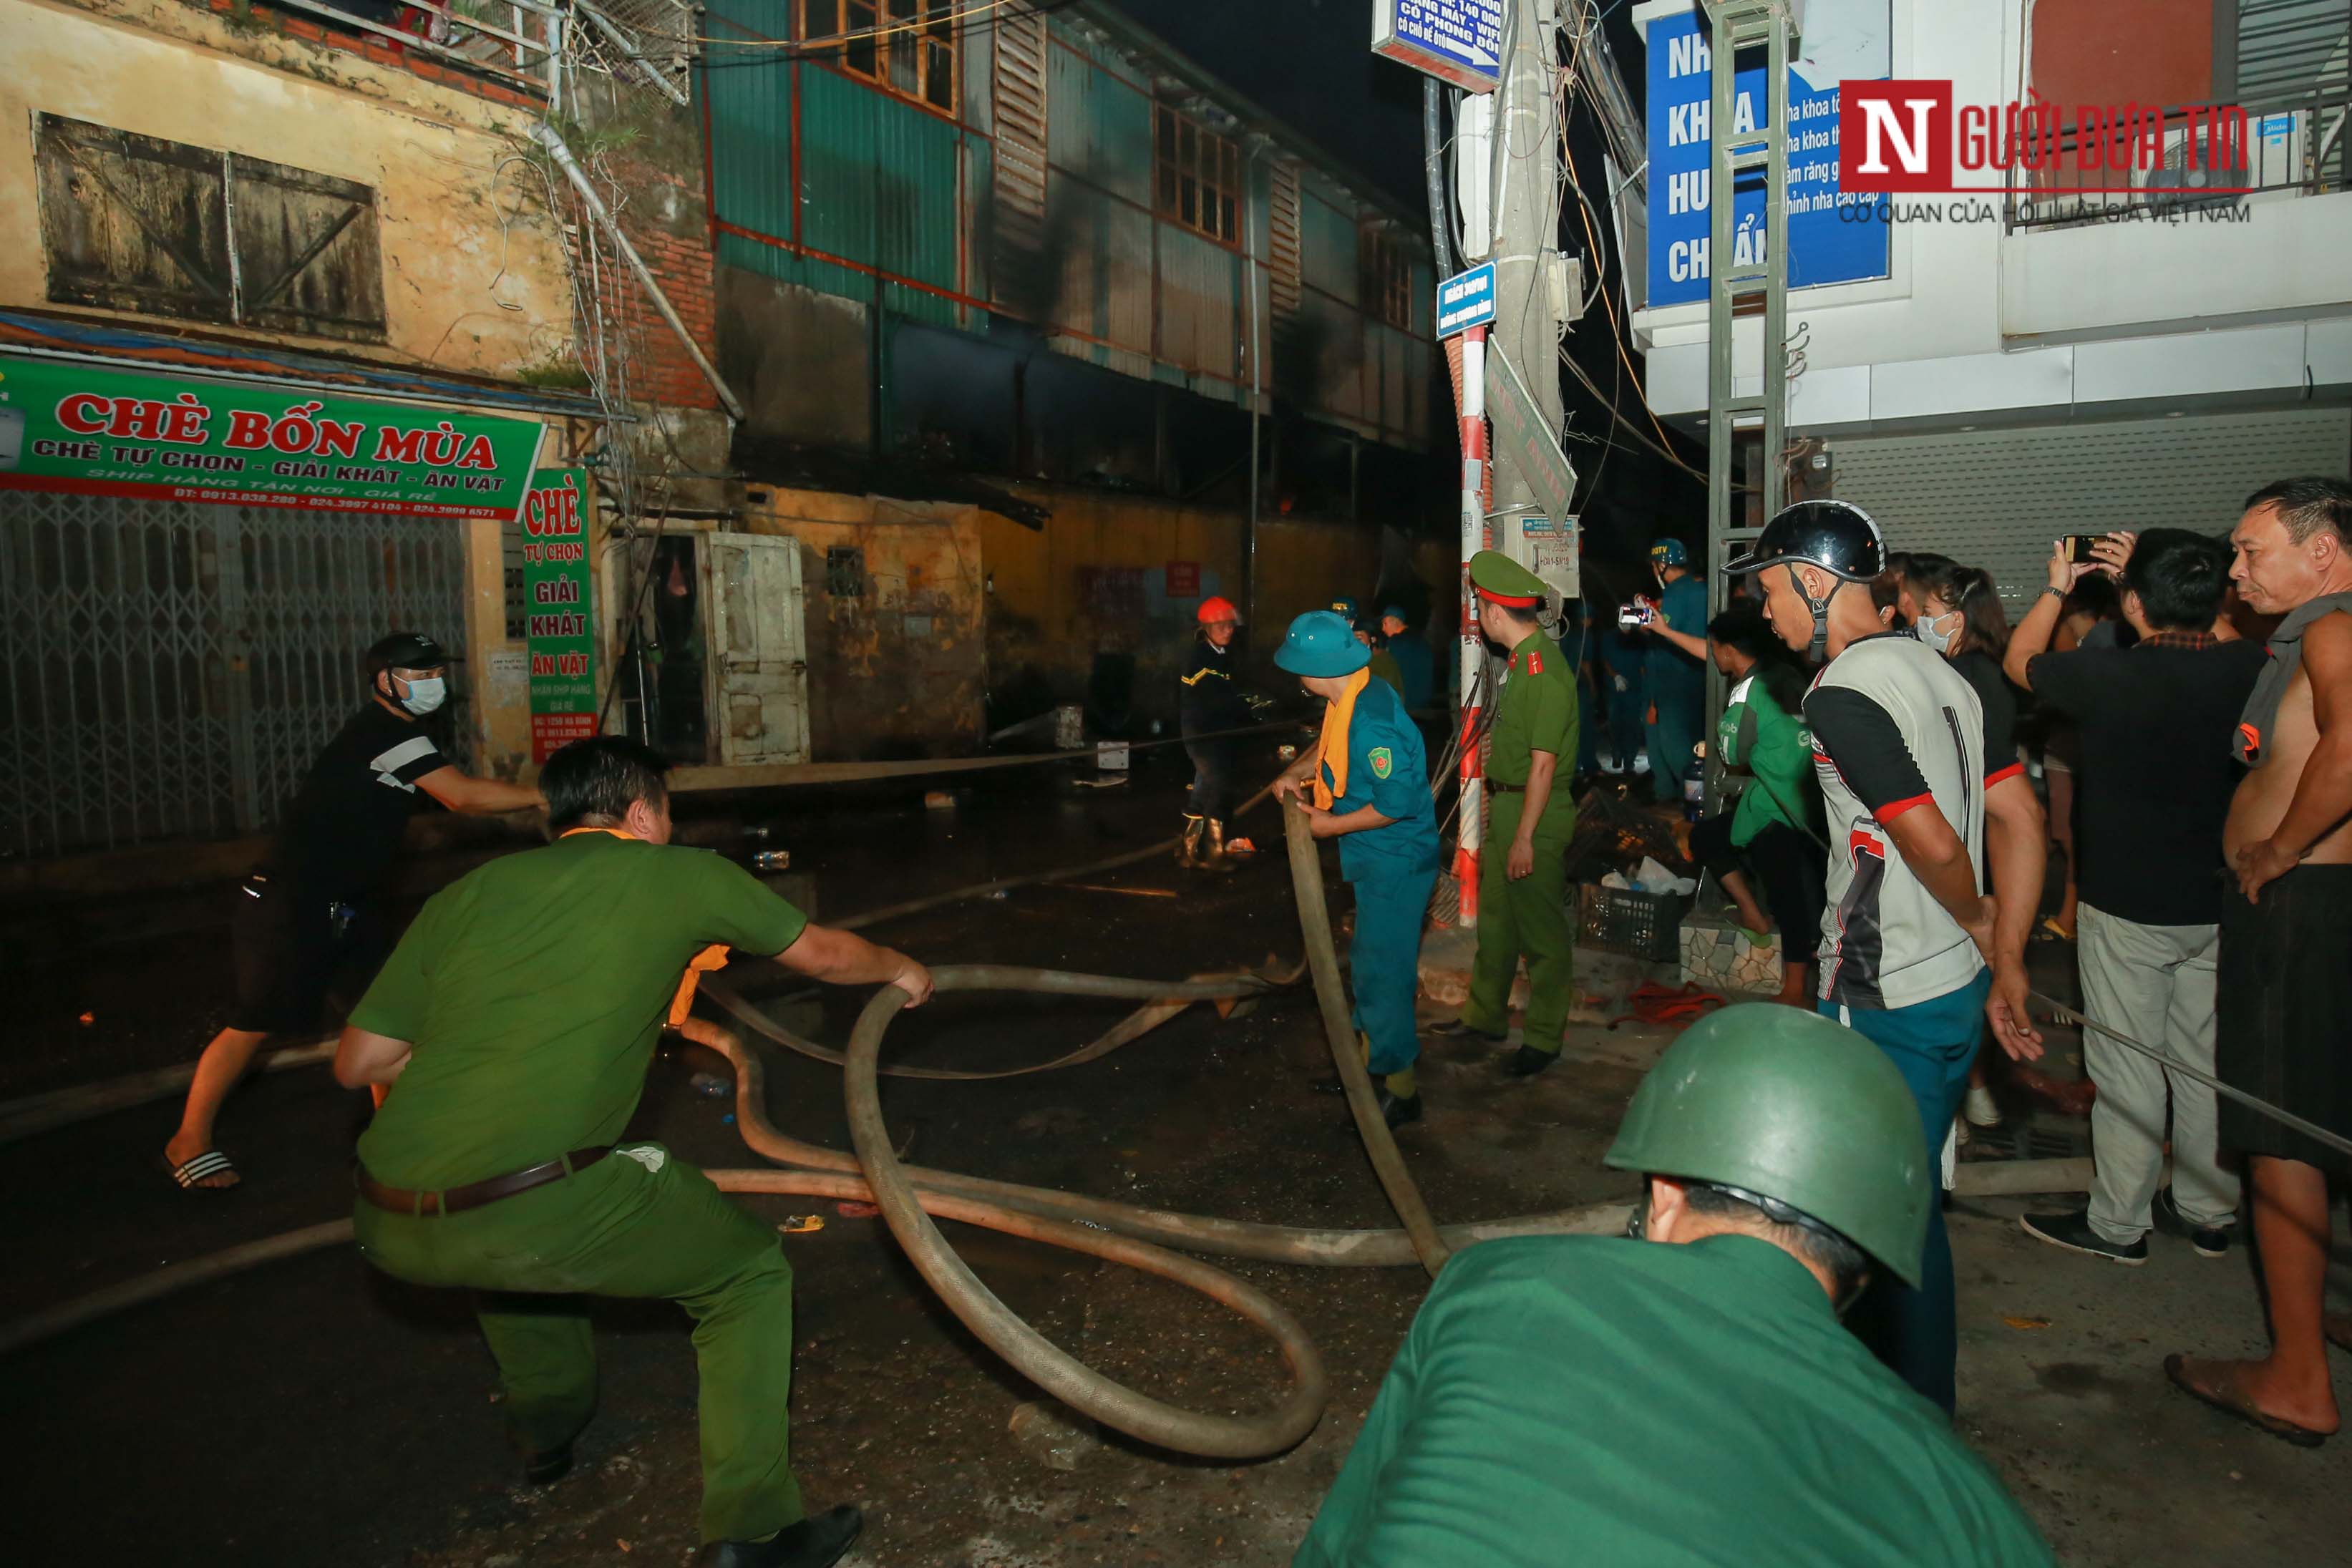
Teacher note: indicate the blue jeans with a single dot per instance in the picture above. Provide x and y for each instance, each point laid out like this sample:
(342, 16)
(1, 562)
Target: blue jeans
(1916, 1332)
(1384, 966)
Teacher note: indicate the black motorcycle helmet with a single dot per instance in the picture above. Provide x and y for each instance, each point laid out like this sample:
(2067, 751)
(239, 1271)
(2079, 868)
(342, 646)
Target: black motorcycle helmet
(1838, 536)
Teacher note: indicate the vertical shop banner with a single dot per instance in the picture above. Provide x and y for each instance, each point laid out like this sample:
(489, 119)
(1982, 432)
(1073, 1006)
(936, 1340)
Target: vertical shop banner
(559, 627)
(1833, 236)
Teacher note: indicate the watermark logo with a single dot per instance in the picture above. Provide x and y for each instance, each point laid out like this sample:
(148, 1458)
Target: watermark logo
(1899, 137)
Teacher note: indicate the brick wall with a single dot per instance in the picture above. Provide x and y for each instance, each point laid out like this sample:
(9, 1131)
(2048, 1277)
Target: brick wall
(664, 219)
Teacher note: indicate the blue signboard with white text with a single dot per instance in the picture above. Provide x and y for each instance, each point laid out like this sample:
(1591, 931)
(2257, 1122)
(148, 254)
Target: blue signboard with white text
(1459, 41)
(1833, 238)
(1465, 300)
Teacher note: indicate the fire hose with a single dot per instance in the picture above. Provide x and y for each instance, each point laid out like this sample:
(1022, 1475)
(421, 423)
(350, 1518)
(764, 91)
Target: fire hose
(909, 1198)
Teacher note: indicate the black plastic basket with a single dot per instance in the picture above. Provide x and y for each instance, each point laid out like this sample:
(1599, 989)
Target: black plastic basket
(1625, 920)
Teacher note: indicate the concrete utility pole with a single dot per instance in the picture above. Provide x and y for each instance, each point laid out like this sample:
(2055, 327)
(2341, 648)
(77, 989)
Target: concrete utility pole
(1511, 164)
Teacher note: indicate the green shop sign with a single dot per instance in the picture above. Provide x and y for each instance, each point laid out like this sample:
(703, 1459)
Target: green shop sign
(557, 629)
(101, 432)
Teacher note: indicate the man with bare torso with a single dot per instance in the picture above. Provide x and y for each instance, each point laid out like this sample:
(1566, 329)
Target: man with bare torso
(2285, 980)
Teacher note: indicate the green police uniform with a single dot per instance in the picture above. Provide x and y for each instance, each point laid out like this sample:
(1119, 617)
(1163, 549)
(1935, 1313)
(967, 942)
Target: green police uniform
(533, 991)
(1536, 712)
(1593, 1399)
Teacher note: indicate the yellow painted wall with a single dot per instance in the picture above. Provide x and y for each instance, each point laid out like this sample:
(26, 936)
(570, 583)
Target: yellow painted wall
(459, 294)
(899, 669)
(1046, 621)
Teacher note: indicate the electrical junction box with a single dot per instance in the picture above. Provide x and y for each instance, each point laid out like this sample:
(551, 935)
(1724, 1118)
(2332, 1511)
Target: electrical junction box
(1545, 546)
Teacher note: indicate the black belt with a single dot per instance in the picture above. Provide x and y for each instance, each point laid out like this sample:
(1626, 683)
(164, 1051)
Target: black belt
(474, 1194)
(1501, 788)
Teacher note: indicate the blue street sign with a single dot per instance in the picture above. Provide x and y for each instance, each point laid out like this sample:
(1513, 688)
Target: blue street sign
(1457, 41)
(1466, 299)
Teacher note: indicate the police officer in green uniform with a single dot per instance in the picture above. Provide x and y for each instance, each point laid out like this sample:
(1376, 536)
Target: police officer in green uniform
(1689, 1396)
(1366, 784)
(514, 1024)
(1523, 868)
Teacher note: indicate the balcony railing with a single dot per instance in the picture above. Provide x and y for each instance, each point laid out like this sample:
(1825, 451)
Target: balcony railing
(2196, 159)
(535, 45)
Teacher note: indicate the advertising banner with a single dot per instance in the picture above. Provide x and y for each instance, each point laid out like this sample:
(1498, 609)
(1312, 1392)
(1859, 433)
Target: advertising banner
(97, 431)
(1457, 41)
(560, 631)
(1834, 236)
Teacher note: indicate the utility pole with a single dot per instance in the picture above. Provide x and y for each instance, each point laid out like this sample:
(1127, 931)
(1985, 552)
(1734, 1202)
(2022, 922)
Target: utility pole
(1507, 182)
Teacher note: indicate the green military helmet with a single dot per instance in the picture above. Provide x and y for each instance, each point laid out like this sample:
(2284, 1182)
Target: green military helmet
(1789, 1105)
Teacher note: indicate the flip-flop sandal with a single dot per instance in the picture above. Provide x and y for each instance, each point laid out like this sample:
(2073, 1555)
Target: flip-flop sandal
(2176, 1367)
(191, 1173)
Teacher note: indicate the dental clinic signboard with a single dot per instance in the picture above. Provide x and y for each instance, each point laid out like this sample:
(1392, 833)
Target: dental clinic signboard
(1835, 236)
(96, 431)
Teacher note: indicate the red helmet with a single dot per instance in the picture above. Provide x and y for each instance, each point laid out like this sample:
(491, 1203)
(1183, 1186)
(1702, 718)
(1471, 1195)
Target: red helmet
(1214, 609)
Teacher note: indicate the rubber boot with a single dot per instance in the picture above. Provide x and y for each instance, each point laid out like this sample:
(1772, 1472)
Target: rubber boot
(1215, 858)
(1188, 848)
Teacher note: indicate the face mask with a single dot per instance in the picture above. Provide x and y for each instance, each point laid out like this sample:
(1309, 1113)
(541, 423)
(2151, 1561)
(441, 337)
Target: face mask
(1924, 629)
(425, 695)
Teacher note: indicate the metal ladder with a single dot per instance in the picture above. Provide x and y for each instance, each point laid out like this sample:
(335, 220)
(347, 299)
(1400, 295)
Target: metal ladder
(1736, 25)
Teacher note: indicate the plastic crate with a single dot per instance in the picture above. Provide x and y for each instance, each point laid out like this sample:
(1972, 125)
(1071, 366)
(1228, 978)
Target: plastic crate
(1624, 920)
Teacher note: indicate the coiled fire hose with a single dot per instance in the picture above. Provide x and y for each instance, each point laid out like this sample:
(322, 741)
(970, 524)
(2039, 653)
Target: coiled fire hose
(1123, 1233)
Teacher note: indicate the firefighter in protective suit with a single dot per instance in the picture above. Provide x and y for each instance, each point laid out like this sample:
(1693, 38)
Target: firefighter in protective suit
(1209, 700)
(1690, 1390)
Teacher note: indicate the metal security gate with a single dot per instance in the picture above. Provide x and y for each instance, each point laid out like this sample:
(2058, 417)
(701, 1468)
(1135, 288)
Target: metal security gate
(168, 669)
(1996, 498)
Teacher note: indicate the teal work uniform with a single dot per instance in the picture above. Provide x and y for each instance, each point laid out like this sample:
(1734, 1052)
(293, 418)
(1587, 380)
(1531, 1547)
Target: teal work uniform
(1416, 664)
(1677, 717)
(1594, 1399)
(532, 991)
(1537, 711)
(1393, 870)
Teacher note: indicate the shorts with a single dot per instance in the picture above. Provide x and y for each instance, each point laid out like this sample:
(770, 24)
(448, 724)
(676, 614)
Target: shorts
(288, 949)
(2283, 994)
(1792, 868)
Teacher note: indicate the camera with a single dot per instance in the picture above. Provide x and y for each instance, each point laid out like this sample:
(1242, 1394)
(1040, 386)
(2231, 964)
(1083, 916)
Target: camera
(1634, 617)
(2078, 548)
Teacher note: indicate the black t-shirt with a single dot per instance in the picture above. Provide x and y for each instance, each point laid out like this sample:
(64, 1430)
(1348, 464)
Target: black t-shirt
(344, 829)
(1998, 700)
(2156, 774)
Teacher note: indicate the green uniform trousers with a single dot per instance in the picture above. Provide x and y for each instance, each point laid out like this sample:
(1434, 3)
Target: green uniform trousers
(639, 1224)
(1529, 916)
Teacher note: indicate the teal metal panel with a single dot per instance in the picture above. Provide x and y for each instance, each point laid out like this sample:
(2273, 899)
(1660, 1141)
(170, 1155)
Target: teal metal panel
(878, 187)
(751, 132)
(1200, 297)
(1098, 127)
(1327, 247)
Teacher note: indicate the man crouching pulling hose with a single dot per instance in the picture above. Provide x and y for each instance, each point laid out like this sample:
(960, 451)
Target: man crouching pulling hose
(519, 1015)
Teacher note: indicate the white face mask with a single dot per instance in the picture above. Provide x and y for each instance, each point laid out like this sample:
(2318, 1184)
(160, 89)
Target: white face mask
(425, 694)
(1924, 629)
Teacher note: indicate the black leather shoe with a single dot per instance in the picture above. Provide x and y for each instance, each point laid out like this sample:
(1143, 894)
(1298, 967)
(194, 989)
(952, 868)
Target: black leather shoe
(546, 1468)
(1396, 1111)
(1529, 1062)
(818, 1541)
(1454, 1029)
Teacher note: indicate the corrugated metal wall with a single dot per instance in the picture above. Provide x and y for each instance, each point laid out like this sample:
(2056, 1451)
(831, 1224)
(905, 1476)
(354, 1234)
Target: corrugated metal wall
(1996, 499)
(885, 186)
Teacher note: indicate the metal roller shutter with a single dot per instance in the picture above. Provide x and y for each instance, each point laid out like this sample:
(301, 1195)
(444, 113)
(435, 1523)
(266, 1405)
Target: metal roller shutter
(1997, 498)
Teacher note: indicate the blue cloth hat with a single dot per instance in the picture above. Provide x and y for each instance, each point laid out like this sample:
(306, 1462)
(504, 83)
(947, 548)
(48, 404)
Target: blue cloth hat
(1321, 643)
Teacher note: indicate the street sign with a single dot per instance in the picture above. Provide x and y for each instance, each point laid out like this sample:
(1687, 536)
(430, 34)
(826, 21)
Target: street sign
(1465, 300)
(1523, 435)
(1457, 41)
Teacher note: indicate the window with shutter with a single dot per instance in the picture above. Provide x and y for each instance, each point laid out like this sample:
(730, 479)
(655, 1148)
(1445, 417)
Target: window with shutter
(134, 222)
